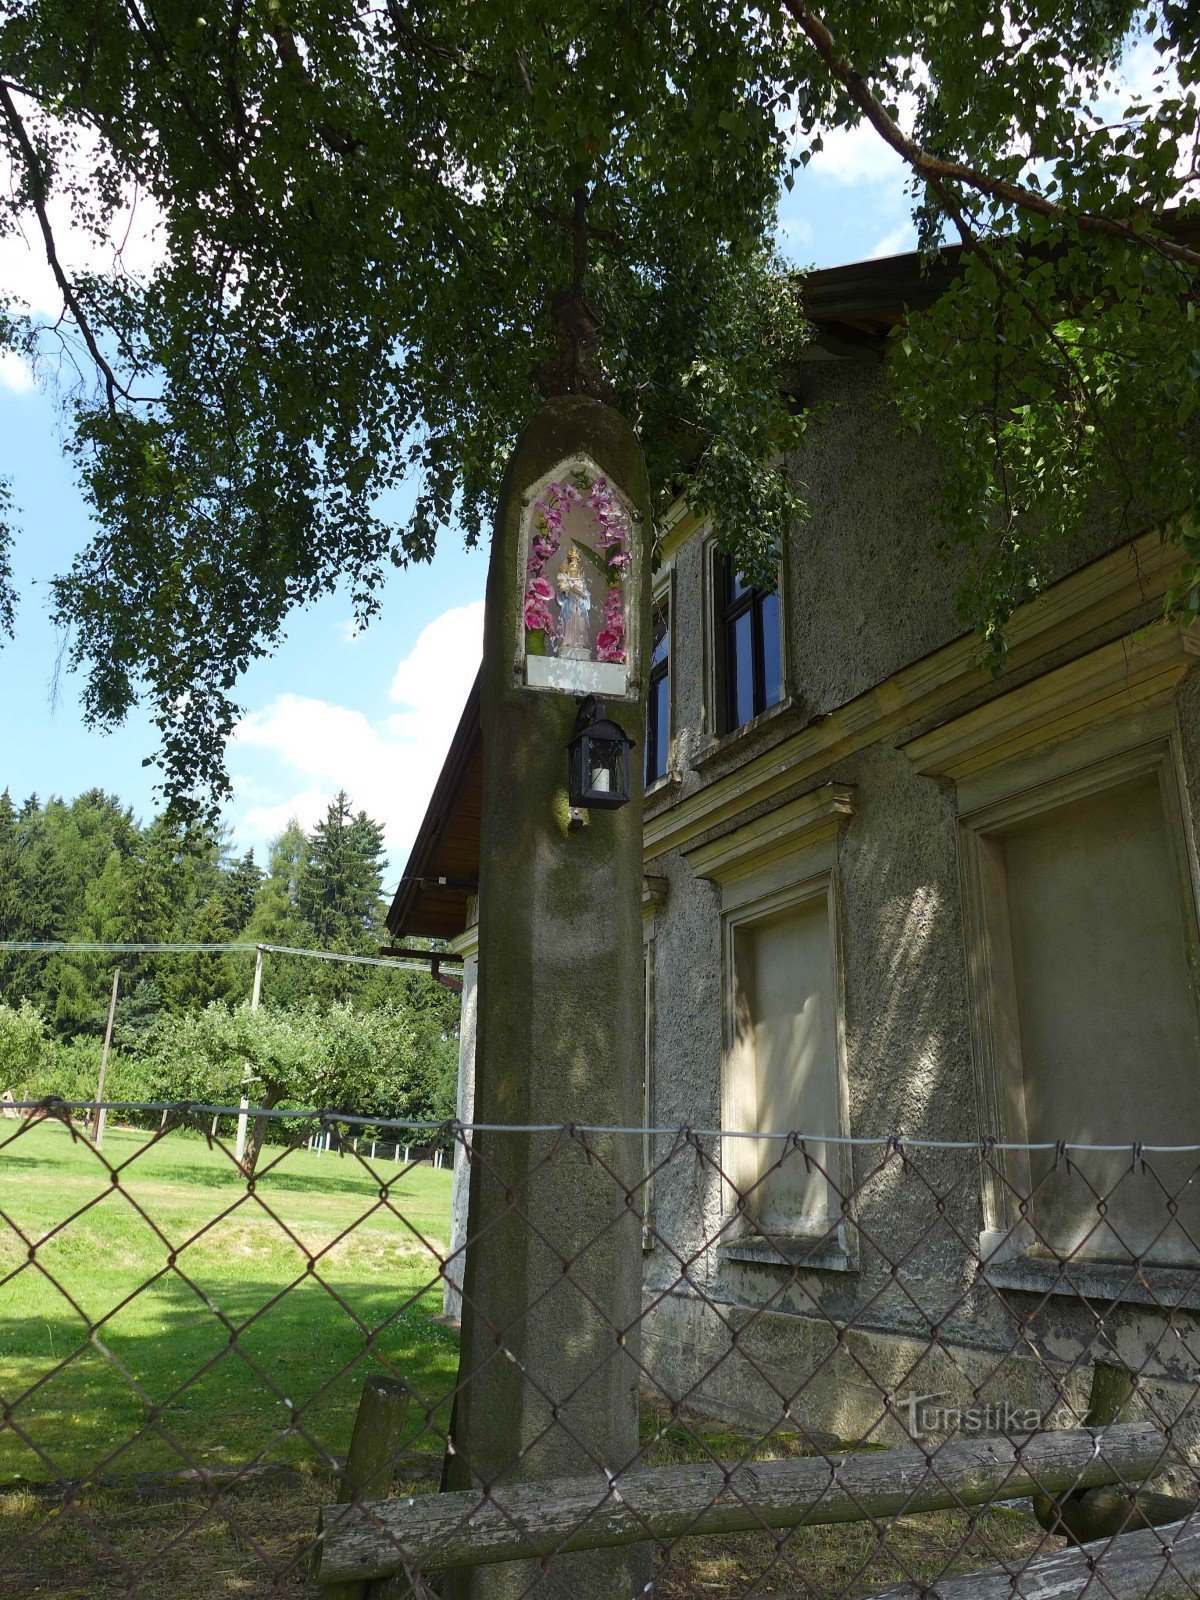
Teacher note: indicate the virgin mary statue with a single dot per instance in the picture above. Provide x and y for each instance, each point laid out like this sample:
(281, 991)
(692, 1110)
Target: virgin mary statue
(573, 634)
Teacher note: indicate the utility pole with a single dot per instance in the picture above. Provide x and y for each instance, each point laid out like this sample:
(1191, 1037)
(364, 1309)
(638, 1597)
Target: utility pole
(99, 1116)
(243, 1119)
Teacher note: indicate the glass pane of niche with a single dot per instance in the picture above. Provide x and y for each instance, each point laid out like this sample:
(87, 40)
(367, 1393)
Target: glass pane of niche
(1109, 1034)
(577, 575)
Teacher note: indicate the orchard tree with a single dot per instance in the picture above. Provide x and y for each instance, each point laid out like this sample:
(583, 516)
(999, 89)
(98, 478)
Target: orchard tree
(385, 230)
(362, 1062)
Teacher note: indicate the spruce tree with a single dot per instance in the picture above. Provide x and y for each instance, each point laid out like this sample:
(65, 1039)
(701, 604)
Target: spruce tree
(238, 891)
(341, 880)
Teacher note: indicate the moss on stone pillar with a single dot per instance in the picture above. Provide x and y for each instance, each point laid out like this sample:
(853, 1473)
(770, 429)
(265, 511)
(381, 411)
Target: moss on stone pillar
(560, 1040)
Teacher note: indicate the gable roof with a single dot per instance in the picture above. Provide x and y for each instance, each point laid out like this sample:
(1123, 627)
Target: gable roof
(442, 872)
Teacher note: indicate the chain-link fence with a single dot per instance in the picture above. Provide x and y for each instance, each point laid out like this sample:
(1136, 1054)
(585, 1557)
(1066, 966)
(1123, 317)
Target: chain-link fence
(675, 1362)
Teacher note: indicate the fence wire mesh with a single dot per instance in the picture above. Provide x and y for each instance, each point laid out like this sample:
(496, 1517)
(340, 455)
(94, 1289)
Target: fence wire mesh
(674, 1362)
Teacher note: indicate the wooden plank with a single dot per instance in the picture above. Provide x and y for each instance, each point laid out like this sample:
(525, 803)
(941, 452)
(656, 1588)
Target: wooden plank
(1153, 1564)
(524, 1520)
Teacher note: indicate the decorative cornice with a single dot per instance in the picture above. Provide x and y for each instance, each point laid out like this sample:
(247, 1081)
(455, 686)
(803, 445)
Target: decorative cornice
(466, 944)
(654, 893)
(1135, 673)
(1109, 590)
(782, 832)
(678, 525)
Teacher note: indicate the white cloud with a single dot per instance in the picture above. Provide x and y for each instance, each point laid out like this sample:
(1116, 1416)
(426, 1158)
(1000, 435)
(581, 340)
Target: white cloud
(440, 667)
(133, 241)
(15, 372)
(897, 240)
(856, 156)
(387, 765)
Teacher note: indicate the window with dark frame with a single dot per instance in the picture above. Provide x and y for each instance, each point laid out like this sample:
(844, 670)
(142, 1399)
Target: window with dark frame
(658, 706)
(751, 660)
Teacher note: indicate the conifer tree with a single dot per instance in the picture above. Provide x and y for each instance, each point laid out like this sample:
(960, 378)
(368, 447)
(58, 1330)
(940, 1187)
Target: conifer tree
(238, 891)
(341, 879)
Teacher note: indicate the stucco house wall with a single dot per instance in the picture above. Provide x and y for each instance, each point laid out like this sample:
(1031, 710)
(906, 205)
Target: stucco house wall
(884, 777)
(875, 661)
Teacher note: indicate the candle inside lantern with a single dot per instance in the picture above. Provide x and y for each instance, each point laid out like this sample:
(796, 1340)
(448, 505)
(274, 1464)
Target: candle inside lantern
(601, 780)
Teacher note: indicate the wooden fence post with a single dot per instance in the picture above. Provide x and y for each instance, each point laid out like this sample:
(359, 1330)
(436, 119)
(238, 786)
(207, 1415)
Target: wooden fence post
(371, 1463)
(1100, 1513)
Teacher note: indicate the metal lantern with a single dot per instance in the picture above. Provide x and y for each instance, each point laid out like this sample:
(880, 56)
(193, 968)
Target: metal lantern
(598, 760)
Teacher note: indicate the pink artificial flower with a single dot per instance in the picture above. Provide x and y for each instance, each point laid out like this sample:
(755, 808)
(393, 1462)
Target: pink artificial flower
(540, 589)
(537, 616)
(621, 560)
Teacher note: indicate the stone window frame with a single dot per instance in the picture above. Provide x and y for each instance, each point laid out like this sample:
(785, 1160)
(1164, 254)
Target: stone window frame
(1086, 766)
(718, 736)
(788, 885)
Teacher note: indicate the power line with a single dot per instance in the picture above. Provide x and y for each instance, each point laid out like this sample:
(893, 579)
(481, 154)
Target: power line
(99, 947)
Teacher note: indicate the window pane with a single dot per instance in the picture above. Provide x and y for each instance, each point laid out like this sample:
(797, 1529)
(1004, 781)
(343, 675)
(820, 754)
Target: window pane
(737, 584)
(739, 665)
(660, 638)
(657, 730)
(784, 1064)
(772, 658)
(1108, 1023)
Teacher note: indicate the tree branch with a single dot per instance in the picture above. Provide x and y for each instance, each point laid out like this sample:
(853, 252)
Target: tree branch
(933, 169)
(337, 139)
(972, 240)
(571, 224)
(38, 191)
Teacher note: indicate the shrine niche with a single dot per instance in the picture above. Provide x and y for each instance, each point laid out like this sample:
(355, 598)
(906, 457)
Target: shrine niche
(578, 574)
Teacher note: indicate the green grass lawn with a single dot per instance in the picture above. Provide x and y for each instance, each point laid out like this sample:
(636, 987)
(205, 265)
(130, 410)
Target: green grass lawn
(238, 1350)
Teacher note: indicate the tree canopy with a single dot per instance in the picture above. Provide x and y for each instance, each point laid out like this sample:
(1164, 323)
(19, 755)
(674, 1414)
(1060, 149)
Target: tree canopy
(367, 211)
(376, 1041)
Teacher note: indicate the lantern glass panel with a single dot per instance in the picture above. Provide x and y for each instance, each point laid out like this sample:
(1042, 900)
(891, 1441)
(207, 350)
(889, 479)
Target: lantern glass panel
(604, 758)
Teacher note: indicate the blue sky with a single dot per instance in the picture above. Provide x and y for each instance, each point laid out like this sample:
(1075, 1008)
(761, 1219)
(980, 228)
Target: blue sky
(372, 712)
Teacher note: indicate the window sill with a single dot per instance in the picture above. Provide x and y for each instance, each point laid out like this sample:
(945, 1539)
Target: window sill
(817, 1251)
(729, 741)
(1168, 1288)
(671, 779)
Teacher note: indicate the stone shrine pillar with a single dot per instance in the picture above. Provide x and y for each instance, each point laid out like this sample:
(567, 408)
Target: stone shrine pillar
(548, 1388)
